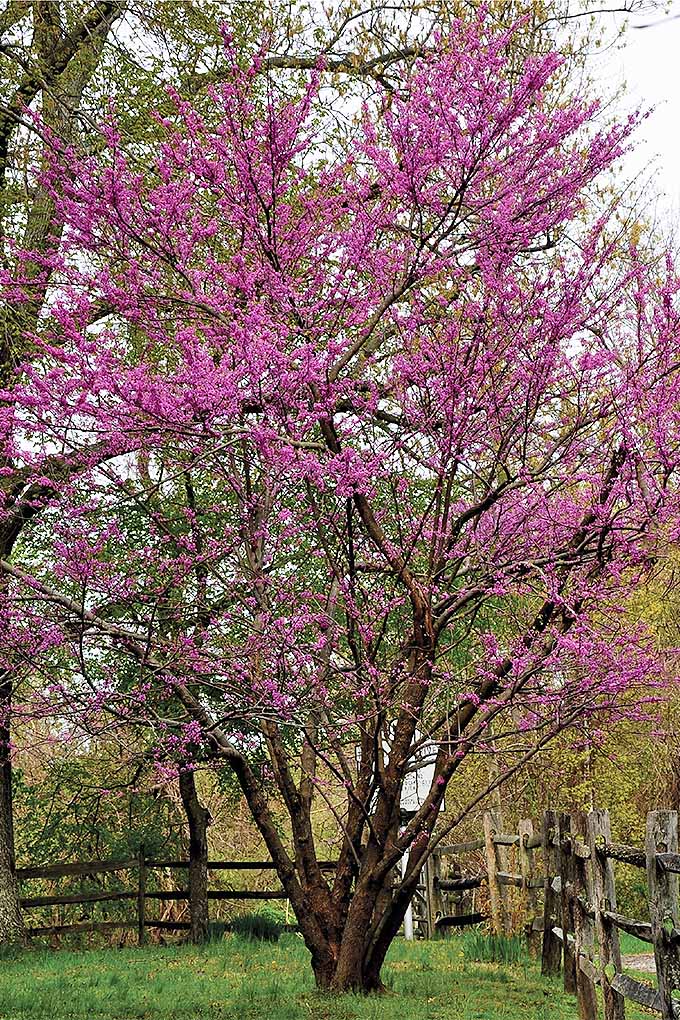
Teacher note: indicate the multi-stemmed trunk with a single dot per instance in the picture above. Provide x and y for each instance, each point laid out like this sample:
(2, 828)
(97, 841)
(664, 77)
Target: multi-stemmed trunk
(372, 918)
(348, 921)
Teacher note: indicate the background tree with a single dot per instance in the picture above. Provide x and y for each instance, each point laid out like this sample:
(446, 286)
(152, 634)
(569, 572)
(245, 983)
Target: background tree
(60, 63)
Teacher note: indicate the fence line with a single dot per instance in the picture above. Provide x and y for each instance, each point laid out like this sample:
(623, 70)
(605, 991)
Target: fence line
(140, 895)
(580, 920)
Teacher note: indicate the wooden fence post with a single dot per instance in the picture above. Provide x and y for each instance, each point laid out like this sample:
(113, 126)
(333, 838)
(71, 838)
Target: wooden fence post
(551, 956)
(529, 892)
(434, 896)
(604, 899)
(662, 837)
(457, 898)
(567, 882)
(490, 827)
(503, 866)
(141, 897)
(581, 899)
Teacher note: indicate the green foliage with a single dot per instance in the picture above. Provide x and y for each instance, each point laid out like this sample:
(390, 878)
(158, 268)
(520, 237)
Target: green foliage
(631, 888)
(217, 930)
(630, 945)
(91, 806)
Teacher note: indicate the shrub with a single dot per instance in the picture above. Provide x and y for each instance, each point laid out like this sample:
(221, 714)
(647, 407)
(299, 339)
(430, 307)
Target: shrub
(216, 930)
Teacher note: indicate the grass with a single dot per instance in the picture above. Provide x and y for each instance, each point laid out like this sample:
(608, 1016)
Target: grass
(630, 945)
(240, 980)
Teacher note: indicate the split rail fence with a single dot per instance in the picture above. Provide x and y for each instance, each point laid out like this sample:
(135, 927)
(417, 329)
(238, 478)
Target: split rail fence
(589, 922)
(140, 895)
(579, 920)
(446, 897)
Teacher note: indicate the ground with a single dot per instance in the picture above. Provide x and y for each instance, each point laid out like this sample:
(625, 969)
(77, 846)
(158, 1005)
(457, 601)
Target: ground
(643, 963)
(237, 980)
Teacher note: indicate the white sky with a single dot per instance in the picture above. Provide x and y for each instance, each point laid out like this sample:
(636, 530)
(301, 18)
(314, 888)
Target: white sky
(649, 64)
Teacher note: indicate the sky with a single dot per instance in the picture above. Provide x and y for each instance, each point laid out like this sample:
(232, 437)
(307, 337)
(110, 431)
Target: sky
(649, 64)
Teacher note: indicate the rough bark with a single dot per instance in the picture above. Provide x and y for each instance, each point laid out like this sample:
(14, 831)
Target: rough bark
(12, 930)
(198, 818)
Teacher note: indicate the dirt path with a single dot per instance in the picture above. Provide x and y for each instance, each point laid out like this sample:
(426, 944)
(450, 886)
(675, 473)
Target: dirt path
(643, 962)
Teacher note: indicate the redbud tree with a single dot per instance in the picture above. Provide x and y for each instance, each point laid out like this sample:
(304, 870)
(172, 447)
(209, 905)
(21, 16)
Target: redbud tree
(372, 446)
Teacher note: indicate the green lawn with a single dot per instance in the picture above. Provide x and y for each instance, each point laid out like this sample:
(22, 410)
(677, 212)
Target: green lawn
(254, 981)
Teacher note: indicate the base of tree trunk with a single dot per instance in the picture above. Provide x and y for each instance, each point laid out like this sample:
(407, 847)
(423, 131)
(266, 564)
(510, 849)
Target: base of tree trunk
(360, 983)
(359, 986)
(12, 928)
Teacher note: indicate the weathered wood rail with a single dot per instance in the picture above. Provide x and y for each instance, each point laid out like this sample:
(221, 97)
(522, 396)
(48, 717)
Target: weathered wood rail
(585, 920)
(140, 895)
(493, 848)
(579, 917)
(433, 894)
(593, 924)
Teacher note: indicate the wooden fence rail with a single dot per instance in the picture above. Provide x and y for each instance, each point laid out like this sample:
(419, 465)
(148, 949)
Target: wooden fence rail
(141, 894)
(430, 895)
(590, 921)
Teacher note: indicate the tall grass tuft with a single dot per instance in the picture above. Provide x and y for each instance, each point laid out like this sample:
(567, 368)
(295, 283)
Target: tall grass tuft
(480, 947)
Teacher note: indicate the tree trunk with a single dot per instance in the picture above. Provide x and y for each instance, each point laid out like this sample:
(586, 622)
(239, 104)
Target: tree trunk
(198, 818)
(12, 930)
(363, 946)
